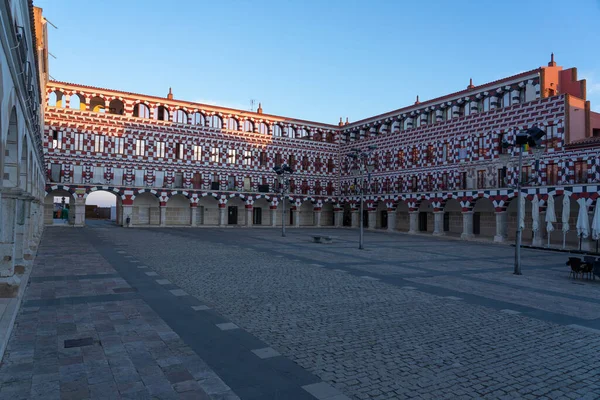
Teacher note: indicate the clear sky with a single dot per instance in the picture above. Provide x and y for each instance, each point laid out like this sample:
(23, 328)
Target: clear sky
(314, 59)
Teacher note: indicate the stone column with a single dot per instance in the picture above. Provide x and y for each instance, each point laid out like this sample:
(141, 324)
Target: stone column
(317, 217)
(193, 215)
(273, 216)
(501, 226)
(467, 232)
(79, 212)
(249, 211)
(21, 209)
(391, 220)
(338, 218)
(31, 246)
(355, 219)
(438, 223)
(9, 282)
(163, 214)
(296, 217)
(127, 211)
(372, 223)
(413, 221)
(222, 215)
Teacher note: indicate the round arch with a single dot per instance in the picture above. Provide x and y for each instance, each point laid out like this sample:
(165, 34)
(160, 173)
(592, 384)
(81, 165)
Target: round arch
(208, 211)
(305, 214)
(97, 104)
(484, 217)
(58, 207)
(327, 214)
(146, 209)
(11, 155)
(381, 215)
(236, 211)
(116, 106)
(402, 216)
(103, 205)
(264, 206)
(426, 220)
(178, 210)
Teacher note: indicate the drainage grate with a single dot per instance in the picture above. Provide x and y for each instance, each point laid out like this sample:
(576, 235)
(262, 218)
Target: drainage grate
(124, 290)
(88, 341)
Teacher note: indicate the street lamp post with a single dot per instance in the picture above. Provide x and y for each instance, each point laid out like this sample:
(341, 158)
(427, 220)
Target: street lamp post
(533, 138)
(360, 159)
(281, 171)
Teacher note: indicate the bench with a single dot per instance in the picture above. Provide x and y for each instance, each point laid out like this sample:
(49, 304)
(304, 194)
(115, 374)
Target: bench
(322, 239)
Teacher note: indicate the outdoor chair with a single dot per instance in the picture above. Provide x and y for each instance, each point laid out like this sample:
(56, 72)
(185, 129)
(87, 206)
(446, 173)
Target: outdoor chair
(586, 269)
(575, 264)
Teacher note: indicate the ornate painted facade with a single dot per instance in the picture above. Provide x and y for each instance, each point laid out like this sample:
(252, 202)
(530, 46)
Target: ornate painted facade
(436, 166)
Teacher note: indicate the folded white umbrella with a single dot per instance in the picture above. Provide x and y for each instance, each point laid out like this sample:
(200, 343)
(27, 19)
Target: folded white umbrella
(535, 214)
(566, 211)
(583, 220)
(550, 216)
(522, 206)
(596, 223)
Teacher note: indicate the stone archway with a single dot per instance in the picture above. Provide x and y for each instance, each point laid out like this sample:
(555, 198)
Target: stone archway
(178, 211)
(304, 215)
(59, 206)
(381, 215)
(453, 219)
(425, 222)
(264, 206)
(235, 212)
(484, 218)
(104, 205)
(208, 211)
(146, 210)
(402, 217)
(327, 214)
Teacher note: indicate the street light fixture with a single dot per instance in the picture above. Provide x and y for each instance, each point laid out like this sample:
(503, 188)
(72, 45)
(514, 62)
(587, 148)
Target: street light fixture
(532, 137)
(281, 171)
(360, 158)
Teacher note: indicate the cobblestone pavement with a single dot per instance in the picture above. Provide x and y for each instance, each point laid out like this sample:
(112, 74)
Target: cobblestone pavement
(409, 317)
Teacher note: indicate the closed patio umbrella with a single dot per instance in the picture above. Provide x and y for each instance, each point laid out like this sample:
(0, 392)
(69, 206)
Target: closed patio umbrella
(596, 225)
(566, 211)
(550, 216)
(583, 221)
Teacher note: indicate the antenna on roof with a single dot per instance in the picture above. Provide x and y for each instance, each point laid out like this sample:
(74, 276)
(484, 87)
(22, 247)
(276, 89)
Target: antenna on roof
(252, 103)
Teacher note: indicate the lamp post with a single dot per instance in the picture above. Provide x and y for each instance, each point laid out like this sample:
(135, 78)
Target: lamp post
(281, 171)
(533, 138)
(360, 159)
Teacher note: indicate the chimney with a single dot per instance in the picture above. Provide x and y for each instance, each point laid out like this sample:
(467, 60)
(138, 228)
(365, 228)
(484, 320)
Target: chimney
(347, 123)
(417, 102)
(259, 110)
(341, 123)
(170, 95)
(471, 86)
(552, 63)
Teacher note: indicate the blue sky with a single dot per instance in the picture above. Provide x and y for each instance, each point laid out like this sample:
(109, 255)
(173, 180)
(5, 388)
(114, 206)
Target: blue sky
(316, 60)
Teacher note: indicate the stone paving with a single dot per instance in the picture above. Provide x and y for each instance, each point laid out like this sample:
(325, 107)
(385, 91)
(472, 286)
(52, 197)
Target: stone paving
(409, 317)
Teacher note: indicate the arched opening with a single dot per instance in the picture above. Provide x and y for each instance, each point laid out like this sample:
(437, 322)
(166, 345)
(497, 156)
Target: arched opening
(277, 132)
(97, 105)
(327, 214)
(104, 206)
(557, 236)
(76, 102)
(263, 128)
(453, 223)
(261, 213)
(402, 217)
(290, 132)
(116, 106)
(236, 212)
(306, 214)
(527, 233)
(381, 215)
(24, 166)
(484, 218)
(178, 210)
(11, 154)
(181, 117)
(208, 211)
(59, 208)
(56, 99)
(146, 210)
(232, 124)
(141, 110)
(347, 215)
(216, 122)
(198, 119)
(248, 126)
(425, 221)
(161, 113)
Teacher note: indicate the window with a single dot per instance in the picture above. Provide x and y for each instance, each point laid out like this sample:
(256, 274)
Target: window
(501, 149)
(444, 151)
(159, 150)
(415, 155)
(231, 156)
(197, 155)
(291, 161)
(232, 124)
(277, 159)
(263, 128)
(330, 165)
(247, 157)
(181, 117)
(161, 113)
(141, 111)
(525, 174)
(581, 172)
(413, 184)
(119, 145)
(305, 162)
(99, 143)
(551, 174)
(216, 122)
(501, 177)
(481, 179)
(291, 132)
(444, 181)
(486, 104)
(78, 141)
(179, 151)
(430, 153)
(57, 140)
(263, 159)
(505, 100)
(277, 130)
(198, 119)
(448, 113)
(140, 147)
(215, 156)
(552, 136)
(431, 117)
(400, 158)
(248, 126)
(463, 180)
(480, 147)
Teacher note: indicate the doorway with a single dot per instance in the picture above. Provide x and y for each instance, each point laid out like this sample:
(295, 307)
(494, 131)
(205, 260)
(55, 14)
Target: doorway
(446, 222)
(257, 216)
(476, 223)
(423, 221)
(384, 219)
(232, 215)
